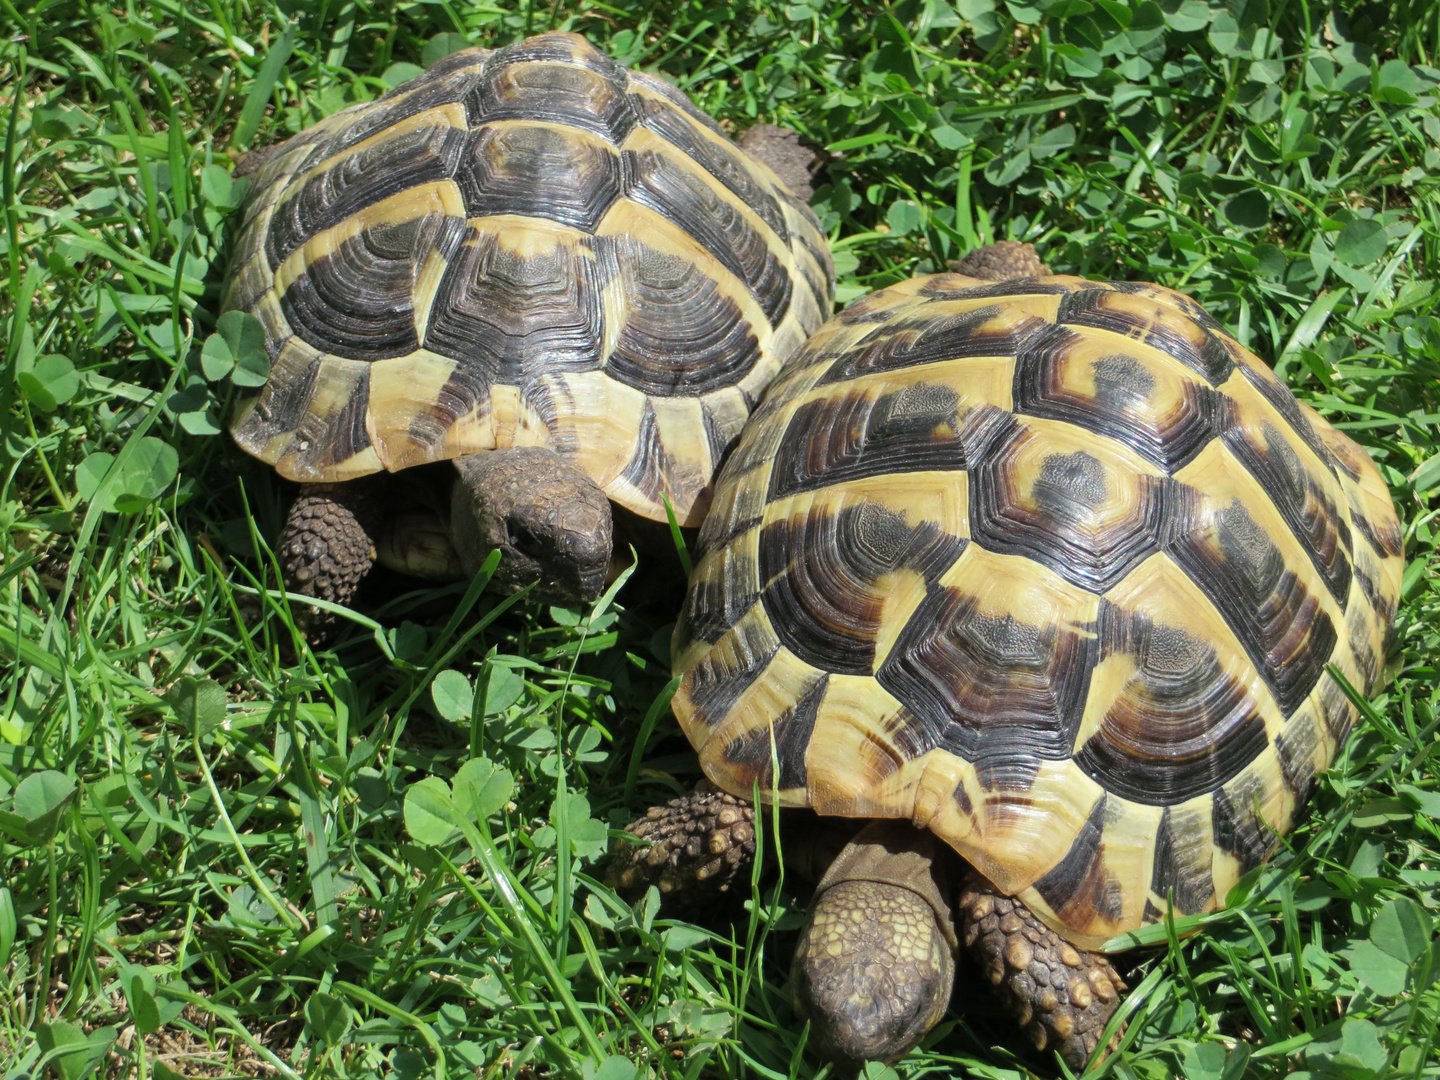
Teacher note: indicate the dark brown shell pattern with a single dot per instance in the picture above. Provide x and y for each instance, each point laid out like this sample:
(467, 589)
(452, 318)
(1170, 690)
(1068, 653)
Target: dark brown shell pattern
(1053, 568)
(531, 246)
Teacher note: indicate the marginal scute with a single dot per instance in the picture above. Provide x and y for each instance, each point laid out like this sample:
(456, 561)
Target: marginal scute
(1102, 677)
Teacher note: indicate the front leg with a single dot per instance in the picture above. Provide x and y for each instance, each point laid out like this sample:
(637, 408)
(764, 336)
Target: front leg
(701, 846)
(1062, 996)
(328, 545)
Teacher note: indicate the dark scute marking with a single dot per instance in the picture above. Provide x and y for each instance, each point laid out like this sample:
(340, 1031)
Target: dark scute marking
(323, 440)
(508, 318)
(719, 440)
(1358, 627)
(1166, 297)
(908, 735)
(1238, 826)
(850, 436)
(1179, 727)
(753, 753)
(282, 405)
(561, 93)
(822, 574)
(1309, 512)
(1053, 522)
(1285, 633)
(940, 289)
(651, 466)
(682, 336)
(1121, 382)
(1079, 881)
(875, 307)
(438, 86)
(1121, 407)
(346, 433)
(1151, 914)
(1279, 396)
(1370, 590)
(728, 164)
(1181, 868)
(358, 302)
(962, 799)
(1066, 479)
(542, 172)
(673, 94)
(1337, 711)
(715, 685)
(716, 602)
(1295, 749)
(1386, 539)
(1211, 360)
(1002, 694)
(362, 179)
(676, 193)
(916, 338)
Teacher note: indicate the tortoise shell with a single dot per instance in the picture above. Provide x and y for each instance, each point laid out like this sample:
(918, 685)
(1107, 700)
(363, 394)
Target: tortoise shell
(527, 246)
(1053, 568)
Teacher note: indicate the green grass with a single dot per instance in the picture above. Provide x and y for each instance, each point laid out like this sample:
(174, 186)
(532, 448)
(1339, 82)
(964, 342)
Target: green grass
(224, 853)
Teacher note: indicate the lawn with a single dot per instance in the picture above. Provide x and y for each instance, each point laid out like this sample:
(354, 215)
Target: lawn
(227, 854)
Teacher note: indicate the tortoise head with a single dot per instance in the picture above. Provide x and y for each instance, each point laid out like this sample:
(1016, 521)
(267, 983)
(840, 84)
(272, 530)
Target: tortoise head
(549, 520)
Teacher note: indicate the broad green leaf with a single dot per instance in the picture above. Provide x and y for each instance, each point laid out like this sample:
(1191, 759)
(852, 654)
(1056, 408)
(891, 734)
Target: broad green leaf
(482, 788)
(216, 359)
(1188, 16)
(1053, 141)
(40, 799)
(588, 837)
(1360, 242)
(50, 383)
(396, 74)
(1397, 83)
(1247, 210)
(1225, 34)
(904, 217)
(442, 45)
(452, 695)
(430, 815)
(617, 1068)
(1402, 929)
(1360, 1045)
(1376, 968)
(948, 138)
(79, 1053)
(504, 688)
(327, 1018)
(215, 186)
(1204, 1061)
(199, 704)
(139, 988)
(148, 470)
(237, 349)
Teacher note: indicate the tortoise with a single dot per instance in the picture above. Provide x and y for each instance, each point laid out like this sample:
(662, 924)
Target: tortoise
(1043, 570)
(552, 271)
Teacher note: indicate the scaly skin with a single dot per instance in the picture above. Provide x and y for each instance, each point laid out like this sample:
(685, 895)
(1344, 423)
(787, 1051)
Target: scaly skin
(1003, 260)
(701, 845)
(327, 545)
(1060, 995)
